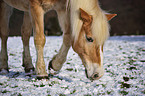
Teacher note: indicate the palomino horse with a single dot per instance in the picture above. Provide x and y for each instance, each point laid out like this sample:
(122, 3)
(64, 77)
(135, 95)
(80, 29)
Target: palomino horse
(85, 28)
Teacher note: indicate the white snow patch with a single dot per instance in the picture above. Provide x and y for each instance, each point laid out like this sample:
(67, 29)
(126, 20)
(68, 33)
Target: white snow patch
(124, 63)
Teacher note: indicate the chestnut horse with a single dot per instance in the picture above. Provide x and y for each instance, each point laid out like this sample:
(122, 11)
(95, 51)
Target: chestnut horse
(85, 28)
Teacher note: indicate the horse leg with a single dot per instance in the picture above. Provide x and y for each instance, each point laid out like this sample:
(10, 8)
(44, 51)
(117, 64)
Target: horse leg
(57, 62)
(5, 13)
(37, 15)
(26, 31)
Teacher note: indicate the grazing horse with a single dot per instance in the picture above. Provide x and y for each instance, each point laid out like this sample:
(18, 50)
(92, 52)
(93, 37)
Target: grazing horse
(84, 24)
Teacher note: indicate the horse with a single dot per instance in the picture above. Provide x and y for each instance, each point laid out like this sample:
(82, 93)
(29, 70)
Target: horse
(85, 28)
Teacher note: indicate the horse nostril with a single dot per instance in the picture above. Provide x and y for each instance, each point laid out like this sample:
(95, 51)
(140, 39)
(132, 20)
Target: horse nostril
(95, 76)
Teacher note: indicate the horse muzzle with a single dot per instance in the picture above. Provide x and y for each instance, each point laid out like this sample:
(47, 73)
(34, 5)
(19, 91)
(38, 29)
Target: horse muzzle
(94, 72)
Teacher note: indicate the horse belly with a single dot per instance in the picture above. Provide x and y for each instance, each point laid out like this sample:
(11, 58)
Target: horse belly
(22, 5)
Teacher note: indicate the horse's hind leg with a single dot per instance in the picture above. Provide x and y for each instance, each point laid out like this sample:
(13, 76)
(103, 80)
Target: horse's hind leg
(26, 31)
(57, 62)
(5, 13)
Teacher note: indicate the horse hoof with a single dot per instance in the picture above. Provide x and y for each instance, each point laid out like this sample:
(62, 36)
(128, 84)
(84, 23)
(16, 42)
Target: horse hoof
(27, 70)
(4, 71)
(51, 70)
(30, 72)
(40, 77)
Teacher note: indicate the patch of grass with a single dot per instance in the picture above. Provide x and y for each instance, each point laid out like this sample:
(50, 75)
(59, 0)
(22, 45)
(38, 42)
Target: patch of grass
(50, 84)
(53, 82)
(124, 63)
(120, 48)
(131, 61)
(1, 84)
(129, 57)
(136, 87)
(56, 51)
(142, 60)
(110, 65)
(15, 86)
(36, 85)
(126, 78)
(97, 85)
(124, 92)
(11, 54)
(131, 68)
(109, 92)
(19, 94)
(131, 52)
(108, 71)
(88, 95)
(65, 87)
(143, 91)
(69, 59)
(141, 49)
(103, 85)
(138, 53)
(68, 63)
(133, 77)
(125, 85)
(62, 95)
(41, 85)
(136, 64)
(14, 94)
(69, 69)
(135, 57)
(5, 91)
(100, 94)
(73, 91)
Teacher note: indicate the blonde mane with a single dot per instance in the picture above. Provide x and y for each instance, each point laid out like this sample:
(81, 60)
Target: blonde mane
(100, 26)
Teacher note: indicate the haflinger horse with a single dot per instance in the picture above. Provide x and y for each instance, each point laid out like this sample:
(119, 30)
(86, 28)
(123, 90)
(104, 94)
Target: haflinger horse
(85, 28)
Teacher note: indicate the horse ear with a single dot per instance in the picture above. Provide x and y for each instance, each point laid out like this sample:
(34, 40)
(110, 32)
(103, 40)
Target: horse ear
(87, 20)
(85, 16)
(110, 16)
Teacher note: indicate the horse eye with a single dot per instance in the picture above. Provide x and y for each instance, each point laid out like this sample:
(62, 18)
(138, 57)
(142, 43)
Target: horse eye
(89, 39)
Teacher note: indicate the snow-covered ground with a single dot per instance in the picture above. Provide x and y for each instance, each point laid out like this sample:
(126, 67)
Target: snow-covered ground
(124, 62)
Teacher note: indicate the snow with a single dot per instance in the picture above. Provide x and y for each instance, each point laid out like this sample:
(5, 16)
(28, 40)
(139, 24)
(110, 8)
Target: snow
(124, 63)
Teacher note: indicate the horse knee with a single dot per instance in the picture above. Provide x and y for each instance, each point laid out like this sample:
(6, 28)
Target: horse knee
(39, 41)
(67, 39)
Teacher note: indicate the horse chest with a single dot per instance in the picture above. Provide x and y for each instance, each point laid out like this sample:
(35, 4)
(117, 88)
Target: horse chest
(47, 7)
(48, 4)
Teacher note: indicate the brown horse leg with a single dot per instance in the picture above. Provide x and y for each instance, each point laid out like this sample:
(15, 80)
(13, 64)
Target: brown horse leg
(37, 15)
(57, 62)
(5, 13)
(26, 31)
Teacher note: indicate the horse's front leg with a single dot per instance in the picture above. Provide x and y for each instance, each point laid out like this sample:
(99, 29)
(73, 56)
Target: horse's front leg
(57, 62)
(26, 31)
(5, 13)
(37, 15)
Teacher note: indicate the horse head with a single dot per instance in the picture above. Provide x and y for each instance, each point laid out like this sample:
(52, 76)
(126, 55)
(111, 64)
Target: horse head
(88, 46)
